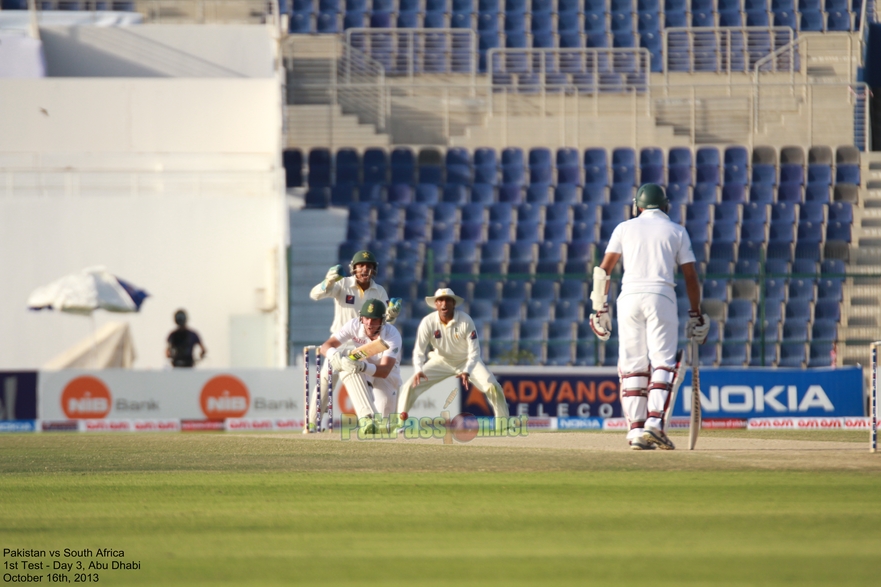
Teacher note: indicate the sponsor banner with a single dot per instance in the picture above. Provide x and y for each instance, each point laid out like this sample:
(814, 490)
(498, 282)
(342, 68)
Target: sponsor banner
(201, 425)
(541, 392)
(542, 424)
(775, 393)
(724, 424)
(174, 394)
(196, 394)
(106, 426)
(59, 425)
(855, 423)
(18, 395)
(156, 425)
(616, 425)
(678, 424)
(579, 423)
(18, 426)
(248, 425)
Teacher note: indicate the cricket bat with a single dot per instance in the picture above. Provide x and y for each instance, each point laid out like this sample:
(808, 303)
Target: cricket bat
(677, 381)
(374, 347)
(694, 426)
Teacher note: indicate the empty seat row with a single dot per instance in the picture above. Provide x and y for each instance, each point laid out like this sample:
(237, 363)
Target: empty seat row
(560, 6)
(566, 165)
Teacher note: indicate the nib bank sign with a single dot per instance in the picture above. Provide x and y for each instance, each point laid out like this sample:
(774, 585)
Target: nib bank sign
(768, 393)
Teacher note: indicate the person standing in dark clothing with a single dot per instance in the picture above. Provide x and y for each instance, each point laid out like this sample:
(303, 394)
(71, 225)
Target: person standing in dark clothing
(182, 342)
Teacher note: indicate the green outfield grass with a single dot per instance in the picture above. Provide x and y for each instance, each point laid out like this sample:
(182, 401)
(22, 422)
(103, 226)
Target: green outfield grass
(283, 510)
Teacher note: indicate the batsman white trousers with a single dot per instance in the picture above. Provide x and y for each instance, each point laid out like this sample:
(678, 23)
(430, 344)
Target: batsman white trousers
(436, 369)
(648, 333)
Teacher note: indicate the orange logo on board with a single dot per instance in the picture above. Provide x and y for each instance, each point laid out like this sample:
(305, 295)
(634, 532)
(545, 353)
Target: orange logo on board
(223, 397)
(85, 397)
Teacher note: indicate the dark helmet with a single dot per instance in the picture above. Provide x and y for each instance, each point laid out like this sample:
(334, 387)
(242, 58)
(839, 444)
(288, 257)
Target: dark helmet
(363, 257)
(650, 196)
(180, 317)
(373, 308)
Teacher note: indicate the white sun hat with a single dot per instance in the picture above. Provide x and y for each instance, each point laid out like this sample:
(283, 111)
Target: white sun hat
(443, 292)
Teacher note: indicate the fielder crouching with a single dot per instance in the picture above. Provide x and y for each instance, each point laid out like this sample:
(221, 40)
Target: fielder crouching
(652, 246)
(456, 353)
(371, 383)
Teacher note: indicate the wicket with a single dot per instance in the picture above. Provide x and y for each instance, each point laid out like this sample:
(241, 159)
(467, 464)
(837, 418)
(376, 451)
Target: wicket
(873, 446)
(319, 426)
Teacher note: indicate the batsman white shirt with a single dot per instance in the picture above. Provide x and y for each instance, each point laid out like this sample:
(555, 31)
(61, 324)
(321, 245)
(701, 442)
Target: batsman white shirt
(349, 299)
(353, 331)
(651, 246)
(455, 342)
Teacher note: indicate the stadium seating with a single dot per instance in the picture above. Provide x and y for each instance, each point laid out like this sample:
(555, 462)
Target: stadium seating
(539, 250)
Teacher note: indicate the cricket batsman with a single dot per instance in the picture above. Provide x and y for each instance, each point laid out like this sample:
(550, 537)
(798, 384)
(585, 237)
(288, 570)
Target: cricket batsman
(651, 246)
(372, 383)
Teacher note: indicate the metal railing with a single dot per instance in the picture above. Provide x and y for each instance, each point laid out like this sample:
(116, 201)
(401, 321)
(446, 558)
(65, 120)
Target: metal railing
(409, 52)
(722, 50)
(794, 58)
(359, 86)
(622, 70)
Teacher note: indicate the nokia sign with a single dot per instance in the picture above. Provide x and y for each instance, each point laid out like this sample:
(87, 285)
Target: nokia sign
(764, 393)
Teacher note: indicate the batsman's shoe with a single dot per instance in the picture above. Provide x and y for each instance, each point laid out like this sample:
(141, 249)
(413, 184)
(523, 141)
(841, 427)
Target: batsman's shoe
(641, 444)
(657, 438)
(368, 427)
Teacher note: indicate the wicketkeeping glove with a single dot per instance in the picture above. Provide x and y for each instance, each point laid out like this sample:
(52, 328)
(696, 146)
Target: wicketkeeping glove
(394, 308)
(601, 323)
(333, 275)
(697, 327)
(352, 366)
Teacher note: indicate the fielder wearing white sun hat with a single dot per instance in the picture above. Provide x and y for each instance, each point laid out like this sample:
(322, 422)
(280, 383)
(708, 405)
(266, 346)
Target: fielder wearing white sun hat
(443, 292)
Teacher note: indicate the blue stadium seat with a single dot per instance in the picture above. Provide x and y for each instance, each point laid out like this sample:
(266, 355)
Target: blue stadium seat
(521, 258)
(293, 165)
(319, 168)
(824, 330)
(820, 354)
(579, 254)
(706, 193)
(557, 231)
(483, 193)
(707, 173)
(847, 174)
(819, 174)
(403, 165)
(802, 289)
(585, 212)
(792, 354)
(464, 257)
(811, 21)
(838, 20)
(839, 231)
(570, 310)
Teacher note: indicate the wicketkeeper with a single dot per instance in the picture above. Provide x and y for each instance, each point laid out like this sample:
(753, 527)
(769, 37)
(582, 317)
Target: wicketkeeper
(371, 383)
(451, 337)
(349, 294)
(652, 246)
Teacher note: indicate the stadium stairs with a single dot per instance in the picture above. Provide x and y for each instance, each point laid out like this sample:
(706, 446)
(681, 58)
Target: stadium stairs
(861, 307)
(311, 118)
(315, 236)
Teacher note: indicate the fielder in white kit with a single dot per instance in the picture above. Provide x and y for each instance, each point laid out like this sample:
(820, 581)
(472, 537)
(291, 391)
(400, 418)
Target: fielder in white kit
(380, 372)
(652, 246)
(348, 294)
(455, 353)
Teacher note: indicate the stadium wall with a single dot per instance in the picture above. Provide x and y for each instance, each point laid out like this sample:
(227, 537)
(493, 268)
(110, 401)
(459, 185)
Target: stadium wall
(173, 184)
(192, 51)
